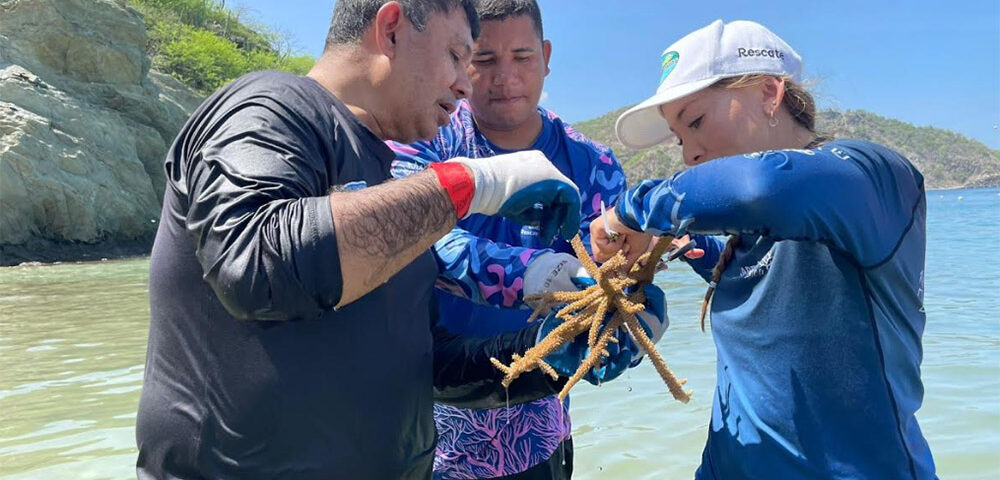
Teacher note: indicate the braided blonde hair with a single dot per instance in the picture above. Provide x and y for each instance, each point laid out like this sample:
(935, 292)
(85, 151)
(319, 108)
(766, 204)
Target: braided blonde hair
(802, 106)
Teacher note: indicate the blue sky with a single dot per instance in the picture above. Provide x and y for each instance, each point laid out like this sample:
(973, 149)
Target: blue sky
(927, 63)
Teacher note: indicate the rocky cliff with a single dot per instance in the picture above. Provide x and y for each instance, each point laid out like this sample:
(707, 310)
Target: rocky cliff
(84, 126)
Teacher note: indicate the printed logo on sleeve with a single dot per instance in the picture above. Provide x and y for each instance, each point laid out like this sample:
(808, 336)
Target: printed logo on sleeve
(839, 153)
(920, 291)
(762, 266)
(350, 186)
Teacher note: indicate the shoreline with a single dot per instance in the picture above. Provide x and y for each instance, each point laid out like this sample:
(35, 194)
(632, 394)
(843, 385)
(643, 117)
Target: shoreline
(45, 252)
(948, 189)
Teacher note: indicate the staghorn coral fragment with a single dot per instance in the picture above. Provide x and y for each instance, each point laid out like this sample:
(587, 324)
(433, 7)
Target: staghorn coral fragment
(595, 327)
(585, 311)
(675, 386)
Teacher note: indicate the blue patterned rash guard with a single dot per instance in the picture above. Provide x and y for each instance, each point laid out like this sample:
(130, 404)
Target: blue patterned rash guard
(817, 317)
(482, 263)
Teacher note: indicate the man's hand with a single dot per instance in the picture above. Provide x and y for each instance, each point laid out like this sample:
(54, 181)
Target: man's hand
(511, 185)
(553, 272)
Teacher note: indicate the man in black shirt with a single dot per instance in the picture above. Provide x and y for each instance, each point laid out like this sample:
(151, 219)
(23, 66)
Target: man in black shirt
(290, 287)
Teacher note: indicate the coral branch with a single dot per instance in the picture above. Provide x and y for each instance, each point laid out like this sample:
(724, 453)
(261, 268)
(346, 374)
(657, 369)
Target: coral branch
(585, 312)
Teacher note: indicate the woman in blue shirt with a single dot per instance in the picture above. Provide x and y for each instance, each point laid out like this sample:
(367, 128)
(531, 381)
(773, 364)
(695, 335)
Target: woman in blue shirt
(816, 297)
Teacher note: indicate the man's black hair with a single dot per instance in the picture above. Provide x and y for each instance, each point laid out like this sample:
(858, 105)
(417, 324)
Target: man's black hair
(352, 17)
(504, 9)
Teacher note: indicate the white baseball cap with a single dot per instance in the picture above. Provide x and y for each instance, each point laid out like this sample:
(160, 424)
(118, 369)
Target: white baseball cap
(700, 59)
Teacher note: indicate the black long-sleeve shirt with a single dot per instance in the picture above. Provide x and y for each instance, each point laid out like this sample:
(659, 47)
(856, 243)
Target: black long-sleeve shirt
(250, 373)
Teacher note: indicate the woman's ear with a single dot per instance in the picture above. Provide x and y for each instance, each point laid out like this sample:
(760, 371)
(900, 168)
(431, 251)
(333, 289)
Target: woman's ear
(772, 94)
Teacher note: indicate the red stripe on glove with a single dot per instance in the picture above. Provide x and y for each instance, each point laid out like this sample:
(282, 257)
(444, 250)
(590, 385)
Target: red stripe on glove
(458, 183)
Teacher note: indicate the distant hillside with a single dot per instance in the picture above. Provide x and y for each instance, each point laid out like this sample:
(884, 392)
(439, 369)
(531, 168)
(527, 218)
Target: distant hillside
(947, 159)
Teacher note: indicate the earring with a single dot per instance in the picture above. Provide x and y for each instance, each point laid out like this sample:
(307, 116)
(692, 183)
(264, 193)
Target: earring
(773, 122)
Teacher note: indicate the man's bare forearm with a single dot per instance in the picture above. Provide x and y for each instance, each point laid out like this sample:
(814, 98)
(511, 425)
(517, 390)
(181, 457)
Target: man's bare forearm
(381, 229)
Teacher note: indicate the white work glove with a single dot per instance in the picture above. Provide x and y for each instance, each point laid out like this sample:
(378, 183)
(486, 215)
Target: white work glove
(553, 272)
(512, 184)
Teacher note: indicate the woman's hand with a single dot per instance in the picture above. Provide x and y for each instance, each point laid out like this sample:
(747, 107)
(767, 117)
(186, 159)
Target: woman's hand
(678, 246)
(681, 242)
(630, 242)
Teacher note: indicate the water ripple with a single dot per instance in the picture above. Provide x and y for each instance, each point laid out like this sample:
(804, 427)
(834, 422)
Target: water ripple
(73, 340)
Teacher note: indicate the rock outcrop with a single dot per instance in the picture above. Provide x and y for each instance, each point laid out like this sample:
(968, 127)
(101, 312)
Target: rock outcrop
(84, 126)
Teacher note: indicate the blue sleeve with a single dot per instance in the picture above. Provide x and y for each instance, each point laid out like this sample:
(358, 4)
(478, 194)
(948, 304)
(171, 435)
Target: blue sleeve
(713, 249)
(604, 182)
(482, 270)
(471, 267)
(855, 197)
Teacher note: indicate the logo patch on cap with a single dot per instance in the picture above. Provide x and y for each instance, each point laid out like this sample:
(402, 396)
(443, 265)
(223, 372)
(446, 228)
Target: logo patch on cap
(667, 63)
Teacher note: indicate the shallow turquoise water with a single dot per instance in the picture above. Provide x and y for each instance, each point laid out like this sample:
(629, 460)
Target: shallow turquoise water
(73, 340)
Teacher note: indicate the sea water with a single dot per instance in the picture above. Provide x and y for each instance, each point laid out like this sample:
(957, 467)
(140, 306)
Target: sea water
(73, 342)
